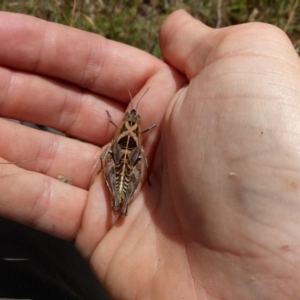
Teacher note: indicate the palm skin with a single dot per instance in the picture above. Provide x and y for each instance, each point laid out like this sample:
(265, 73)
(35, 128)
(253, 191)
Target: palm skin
(220, 220)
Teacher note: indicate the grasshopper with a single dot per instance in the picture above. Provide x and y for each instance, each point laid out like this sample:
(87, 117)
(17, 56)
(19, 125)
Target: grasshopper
(121, 159)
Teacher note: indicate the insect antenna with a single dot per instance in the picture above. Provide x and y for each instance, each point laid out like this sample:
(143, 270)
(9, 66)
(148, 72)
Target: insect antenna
(131, 100)
(130, 97)
(141, 98)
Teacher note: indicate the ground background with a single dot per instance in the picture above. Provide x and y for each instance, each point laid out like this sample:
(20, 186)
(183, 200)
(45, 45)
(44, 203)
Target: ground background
(137, 22)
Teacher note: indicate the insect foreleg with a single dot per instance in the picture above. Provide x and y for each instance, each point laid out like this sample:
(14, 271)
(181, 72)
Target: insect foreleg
(111, 120)
(149, 128)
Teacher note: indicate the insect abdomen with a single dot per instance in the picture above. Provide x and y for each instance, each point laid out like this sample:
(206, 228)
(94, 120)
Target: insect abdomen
(122, 180)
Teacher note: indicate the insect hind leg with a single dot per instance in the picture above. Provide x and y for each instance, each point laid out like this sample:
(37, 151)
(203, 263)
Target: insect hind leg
(103, 155)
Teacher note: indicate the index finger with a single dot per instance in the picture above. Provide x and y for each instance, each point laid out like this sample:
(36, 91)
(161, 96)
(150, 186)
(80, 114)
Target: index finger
(85, 59)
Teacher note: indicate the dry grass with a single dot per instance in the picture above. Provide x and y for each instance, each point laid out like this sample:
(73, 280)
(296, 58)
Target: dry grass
(137, 22)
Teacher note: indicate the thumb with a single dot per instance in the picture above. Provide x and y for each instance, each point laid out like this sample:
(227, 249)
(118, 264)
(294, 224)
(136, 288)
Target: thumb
(189, 46)
(180, 36)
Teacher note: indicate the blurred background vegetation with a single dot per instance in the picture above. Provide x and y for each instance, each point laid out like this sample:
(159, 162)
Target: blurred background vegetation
(137, 22)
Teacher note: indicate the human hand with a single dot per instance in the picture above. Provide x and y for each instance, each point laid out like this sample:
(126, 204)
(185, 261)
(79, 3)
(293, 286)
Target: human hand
(65, 78)
(219, 218)
(230, 142)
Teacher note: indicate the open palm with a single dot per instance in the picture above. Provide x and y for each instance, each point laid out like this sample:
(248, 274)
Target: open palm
(220, 220)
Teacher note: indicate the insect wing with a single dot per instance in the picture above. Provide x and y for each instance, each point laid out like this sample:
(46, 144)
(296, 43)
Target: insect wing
(135, 156)
(116, 153)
